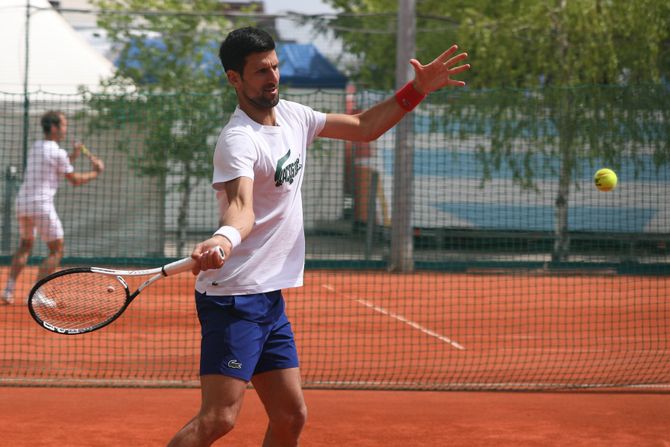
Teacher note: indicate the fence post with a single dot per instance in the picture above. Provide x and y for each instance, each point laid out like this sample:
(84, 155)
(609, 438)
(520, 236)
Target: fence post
(11, 177)
(372, 215)
(402, 243)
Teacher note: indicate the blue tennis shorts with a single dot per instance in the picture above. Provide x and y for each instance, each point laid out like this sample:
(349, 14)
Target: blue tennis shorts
(244, 335)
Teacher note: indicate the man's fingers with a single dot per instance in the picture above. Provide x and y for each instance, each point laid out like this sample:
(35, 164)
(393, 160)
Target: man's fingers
(196, 255)
(444, 57)
(212, 258)
(416, 64)
(215, 257)
(455, 71)
(456, 59)
(455, 83)
(459, 69)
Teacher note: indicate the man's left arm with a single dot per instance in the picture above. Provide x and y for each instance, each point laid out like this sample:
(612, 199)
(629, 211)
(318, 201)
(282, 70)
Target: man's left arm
(373, 122)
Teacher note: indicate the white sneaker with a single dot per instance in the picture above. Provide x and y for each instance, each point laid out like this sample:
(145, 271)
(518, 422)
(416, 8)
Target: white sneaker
(40, 300)
(7, 297)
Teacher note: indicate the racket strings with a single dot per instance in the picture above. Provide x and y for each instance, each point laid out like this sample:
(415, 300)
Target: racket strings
(79, 300)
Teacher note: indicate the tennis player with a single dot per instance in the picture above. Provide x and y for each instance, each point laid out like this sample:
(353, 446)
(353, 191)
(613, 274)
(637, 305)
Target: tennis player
(259, 163)
(47, 164)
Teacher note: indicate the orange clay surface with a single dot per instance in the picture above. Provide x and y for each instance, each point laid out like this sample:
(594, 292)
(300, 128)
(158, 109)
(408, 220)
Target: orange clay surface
(149, 417)
(372, 330)
(338, 318)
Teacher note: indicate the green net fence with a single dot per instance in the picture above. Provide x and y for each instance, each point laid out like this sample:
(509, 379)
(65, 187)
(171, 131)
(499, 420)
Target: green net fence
(525, 276)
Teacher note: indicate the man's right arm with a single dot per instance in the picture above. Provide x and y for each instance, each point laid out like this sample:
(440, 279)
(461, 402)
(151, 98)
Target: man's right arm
(239, 215)
(79, 178)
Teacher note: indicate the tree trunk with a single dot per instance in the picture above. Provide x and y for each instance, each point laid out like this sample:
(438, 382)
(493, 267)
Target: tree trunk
(564, 119)
(182, 217)
(562, 235)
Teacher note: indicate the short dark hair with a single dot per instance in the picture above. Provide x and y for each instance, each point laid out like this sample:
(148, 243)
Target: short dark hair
(242, 42)
(50, 119)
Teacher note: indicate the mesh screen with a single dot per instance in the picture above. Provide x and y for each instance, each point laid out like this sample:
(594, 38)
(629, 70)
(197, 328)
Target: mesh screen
(523, 275)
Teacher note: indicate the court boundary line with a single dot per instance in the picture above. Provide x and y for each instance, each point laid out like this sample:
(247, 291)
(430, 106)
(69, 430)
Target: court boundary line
(662, 388)
(494, 386)
(399, 317)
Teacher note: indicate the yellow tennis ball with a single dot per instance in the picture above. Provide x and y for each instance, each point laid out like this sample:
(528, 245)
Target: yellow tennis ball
(605, 179)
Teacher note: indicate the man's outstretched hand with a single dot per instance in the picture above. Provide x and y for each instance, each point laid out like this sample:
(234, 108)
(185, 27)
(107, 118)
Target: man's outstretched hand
(437, 74)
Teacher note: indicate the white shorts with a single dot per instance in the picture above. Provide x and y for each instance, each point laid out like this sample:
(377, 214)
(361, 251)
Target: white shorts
(40, 218)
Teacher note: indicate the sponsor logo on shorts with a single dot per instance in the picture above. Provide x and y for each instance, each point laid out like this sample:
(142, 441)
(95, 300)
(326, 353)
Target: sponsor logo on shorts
(234, 364)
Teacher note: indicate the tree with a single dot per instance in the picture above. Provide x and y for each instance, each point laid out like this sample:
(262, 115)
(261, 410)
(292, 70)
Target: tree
(577, 66)
(168, 71)
(573, 43)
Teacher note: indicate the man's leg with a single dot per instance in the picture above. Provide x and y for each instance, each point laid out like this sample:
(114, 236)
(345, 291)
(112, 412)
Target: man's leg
(281, 393)
(221, 403)
(51, 230)
(52, 261)
(20, 258)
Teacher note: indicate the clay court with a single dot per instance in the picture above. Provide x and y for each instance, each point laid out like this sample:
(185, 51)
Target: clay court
(83, 417)
(390, 360)
(533, 309)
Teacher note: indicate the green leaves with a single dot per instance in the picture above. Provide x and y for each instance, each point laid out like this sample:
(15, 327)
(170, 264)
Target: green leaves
(168, 100)
(517, 43)
(166, 45)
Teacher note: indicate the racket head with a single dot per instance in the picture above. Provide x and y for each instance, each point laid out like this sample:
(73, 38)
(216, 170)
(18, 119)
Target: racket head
(78, 300)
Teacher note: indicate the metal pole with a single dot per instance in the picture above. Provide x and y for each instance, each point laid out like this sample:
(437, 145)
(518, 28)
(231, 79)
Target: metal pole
(11, 181)
(372, 215)
(26, 98)
(402, 243)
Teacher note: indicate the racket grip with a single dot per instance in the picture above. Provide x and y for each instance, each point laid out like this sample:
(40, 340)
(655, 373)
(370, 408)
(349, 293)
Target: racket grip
(184, 265)
(181, 266)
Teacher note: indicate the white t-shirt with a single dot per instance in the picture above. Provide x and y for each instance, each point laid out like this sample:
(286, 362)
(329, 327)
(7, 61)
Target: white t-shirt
(272, 257)
(47, 164)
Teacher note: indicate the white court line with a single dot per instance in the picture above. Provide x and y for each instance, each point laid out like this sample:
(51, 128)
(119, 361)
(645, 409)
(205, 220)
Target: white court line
(487, 385)
(399, 317)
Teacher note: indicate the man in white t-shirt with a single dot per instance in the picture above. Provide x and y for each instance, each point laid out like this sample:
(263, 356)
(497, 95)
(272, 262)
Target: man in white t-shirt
(47, 164)
(259, 164)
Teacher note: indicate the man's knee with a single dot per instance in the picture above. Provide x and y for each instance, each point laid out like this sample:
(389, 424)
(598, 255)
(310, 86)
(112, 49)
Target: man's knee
(290, 421)
(56, 247)
(216, 423)
(26, 245)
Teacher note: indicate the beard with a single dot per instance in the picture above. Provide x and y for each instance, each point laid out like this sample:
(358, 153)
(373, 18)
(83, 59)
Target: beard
(263, 102)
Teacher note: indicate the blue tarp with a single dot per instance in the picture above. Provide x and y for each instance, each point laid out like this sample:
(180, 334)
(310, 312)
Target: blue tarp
(301, 65)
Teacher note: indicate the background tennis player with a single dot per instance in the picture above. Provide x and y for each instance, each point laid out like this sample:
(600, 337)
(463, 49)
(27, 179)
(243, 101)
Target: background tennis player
(47, 164)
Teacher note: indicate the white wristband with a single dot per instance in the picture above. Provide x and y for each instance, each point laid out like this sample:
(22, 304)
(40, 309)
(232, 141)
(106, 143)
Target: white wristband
(230, 233)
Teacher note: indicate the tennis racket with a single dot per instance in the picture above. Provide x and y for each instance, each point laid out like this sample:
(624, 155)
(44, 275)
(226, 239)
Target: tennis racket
(85, 151)
(84, 299)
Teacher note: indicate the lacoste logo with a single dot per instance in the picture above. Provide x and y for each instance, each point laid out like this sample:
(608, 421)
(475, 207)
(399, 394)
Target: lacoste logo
(288, 173)
(234, 364)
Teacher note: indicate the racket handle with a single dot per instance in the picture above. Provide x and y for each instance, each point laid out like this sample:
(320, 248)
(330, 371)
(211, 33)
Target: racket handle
(181, 266)
(184, 265)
